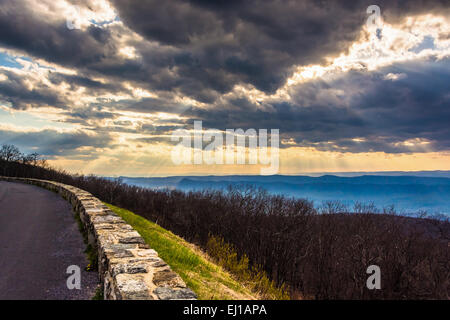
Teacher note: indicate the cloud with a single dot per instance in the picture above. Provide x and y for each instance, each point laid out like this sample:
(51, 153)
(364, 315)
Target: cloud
(394, 76)
(159, 66)
(16, 90)
(52, 143)
(355, 111)
(358, 111)
(195, 47)
(47, 36)
(224, 43)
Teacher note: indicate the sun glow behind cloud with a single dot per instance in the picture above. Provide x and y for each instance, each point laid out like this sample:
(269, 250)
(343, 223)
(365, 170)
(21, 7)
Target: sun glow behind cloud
(370, 52)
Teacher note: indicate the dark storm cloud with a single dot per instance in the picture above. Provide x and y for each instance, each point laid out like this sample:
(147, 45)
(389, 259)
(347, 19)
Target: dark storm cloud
(92, 52)
(52, 143)
(152, 105)
(383, 112)
(22, 28)
(95, 52)
(205, 47)
(242, 42)
(15, 91)
(88, 116)
(76, 81)
(257, 42)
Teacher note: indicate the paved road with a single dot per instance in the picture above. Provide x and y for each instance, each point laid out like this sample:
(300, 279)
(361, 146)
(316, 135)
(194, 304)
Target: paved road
(39, 239)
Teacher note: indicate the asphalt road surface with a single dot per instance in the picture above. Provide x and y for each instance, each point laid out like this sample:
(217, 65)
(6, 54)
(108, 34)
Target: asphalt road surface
(39, 240)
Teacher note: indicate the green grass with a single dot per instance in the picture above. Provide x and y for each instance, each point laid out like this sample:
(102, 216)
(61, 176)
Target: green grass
(98, 293)
(205, 278)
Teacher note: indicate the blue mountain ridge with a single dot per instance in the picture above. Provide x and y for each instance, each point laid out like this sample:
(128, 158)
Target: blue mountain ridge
(407, 193)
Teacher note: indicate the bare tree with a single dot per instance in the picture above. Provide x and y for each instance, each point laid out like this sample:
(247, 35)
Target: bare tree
(32, 158)
(10, 153)
(332, 207)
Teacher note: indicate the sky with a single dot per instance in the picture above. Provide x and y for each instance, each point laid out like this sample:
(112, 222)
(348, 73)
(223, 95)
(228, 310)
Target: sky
(101, 86)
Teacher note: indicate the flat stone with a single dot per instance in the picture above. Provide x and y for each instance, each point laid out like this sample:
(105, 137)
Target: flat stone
(125, 227)
(144, 259)
(105, 239)
(131, 237)
(118, 250)
(119, 246)
(146, 252)
(131, 268)
(132, 287)
(166, 293)
(106, 219)
(144, 246)
(105, 226)
(167, 278)
(159, 263)
(122, 254)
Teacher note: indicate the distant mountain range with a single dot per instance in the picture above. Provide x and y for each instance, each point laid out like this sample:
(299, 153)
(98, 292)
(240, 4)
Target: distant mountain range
(407, 191)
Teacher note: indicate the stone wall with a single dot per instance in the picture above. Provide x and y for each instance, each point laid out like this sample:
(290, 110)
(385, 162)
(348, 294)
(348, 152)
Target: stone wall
(128, 268)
